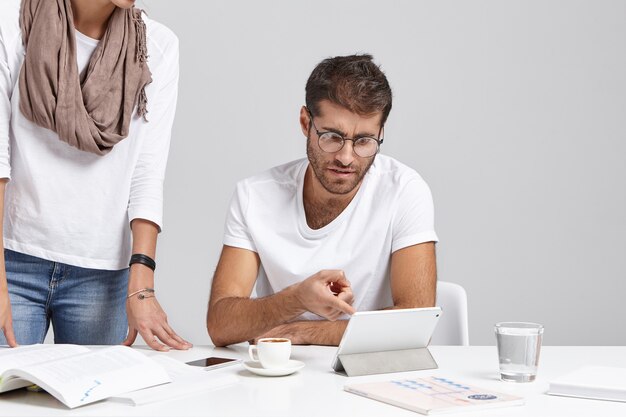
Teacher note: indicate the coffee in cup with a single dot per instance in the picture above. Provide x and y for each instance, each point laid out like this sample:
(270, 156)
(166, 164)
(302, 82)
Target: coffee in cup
(271, 352)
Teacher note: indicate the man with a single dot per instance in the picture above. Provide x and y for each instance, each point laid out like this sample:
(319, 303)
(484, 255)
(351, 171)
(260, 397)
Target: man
(343, 230)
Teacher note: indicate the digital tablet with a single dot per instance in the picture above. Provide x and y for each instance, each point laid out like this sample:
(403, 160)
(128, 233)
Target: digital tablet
(387, 330)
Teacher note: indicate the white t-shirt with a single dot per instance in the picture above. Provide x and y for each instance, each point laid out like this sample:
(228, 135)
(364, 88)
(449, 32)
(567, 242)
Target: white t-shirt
(392, 209)
(71, 206)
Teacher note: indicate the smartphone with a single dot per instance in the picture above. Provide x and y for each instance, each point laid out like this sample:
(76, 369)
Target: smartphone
(213, 362)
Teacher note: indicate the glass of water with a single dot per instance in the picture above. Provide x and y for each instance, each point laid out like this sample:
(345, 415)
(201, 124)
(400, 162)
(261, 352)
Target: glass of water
(519, 344)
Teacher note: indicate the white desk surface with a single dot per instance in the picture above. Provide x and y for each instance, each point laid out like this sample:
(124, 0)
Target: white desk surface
(317, 391)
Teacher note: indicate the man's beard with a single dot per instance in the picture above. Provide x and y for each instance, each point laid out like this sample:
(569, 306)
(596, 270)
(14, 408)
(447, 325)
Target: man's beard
(320, 169)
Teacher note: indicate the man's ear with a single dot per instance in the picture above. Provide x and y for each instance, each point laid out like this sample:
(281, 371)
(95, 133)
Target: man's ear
(305, 121)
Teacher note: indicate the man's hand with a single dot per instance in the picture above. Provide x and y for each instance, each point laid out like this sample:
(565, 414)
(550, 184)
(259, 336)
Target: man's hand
(285, 331)
(6, 319)
(148, 318)
(327, 294)
(309, 332)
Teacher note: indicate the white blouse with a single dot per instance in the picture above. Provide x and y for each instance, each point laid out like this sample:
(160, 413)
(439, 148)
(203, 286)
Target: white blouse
(67, 205)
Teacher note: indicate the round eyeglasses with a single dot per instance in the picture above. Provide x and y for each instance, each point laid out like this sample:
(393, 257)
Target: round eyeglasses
(331, 142)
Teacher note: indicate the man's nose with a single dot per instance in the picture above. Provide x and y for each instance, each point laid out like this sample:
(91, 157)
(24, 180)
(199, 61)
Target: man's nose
(346, 154)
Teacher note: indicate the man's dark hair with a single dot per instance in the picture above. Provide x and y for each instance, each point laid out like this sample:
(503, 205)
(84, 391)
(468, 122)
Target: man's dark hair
(354, 82)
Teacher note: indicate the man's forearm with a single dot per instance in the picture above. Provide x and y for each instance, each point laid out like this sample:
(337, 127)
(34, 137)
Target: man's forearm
(234, 319)
(311, 332)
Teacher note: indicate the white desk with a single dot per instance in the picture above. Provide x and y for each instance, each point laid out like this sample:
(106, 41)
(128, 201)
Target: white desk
(317, 391)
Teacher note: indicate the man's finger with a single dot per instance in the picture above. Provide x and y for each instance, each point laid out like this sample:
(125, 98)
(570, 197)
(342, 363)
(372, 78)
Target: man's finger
(333, 275)
(341, 305)
(337, 289)
(340, 283)
(130, 338)
(334, 315)
(9, 335)
(346, 296)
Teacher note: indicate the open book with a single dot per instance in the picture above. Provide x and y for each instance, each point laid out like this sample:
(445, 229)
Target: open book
(433, 395)
(76, 375)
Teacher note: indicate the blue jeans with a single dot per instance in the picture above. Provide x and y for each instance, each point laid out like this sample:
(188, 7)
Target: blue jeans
(85, 306)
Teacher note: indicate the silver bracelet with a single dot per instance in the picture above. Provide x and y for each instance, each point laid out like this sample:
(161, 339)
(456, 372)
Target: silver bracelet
(140, 293)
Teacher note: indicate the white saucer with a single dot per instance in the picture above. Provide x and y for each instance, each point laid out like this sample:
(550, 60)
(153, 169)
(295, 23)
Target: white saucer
(256, 368)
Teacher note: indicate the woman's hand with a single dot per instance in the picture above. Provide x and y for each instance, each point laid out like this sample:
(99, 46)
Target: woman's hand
(146, 317)
(6, 319)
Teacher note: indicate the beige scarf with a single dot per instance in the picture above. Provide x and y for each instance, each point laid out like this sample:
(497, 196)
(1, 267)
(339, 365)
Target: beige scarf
(92, 114)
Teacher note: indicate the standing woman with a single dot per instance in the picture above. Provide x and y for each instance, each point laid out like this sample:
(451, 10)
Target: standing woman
(87, 99)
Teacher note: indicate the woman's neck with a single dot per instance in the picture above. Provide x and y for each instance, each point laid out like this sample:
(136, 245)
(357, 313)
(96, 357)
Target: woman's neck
(91, 17)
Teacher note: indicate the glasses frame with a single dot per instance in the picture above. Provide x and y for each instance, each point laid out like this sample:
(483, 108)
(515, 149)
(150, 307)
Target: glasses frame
(379, 140)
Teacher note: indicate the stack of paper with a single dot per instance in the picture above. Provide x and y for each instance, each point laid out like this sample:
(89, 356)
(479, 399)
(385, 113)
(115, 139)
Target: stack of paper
(599, 383)
(186, 380)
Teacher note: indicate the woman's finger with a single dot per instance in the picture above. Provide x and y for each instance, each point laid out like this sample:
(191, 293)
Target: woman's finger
(153, 341)
(130, 338)
(182, 343)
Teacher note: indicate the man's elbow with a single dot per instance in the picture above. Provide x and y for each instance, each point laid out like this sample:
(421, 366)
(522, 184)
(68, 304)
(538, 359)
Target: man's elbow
(216, 333)
(215, 329)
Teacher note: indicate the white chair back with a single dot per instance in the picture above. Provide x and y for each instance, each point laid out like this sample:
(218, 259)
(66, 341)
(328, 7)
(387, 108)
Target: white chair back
(453, 328)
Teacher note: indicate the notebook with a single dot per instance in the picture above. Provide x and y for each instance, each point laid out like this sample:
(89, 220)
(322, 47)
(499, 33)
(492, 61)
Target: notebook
(433, 395)
(594, 382)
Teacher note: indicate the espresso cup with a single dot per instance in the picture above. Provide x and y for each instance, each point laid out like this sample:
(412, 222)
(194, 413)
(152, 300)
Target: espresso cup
(271, 352)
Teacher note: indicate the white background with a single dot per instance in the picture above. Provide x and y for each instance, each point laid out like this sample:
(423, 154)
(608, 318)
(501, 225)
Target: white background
(513, 111)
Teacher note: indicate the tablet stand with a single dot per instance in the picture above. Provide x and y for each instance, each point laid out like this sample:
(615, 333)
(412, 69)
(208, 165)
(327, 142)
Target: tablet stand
(357, 364)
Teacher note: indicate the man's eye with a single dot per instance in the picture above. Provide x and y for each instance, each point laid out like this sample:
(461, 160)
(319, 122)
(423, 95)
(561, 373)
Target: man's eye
(333, 137)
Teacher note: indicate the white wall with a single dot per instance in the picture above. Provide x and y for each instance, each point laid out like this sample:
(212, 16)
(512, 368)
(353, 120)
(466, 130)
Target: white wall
(513, 111)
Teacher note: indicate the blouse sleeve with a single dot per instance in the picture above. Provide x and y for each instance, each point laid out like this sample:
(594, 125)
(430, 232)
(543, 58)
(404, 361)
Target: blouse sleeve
(146, 189)
(5, 108)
